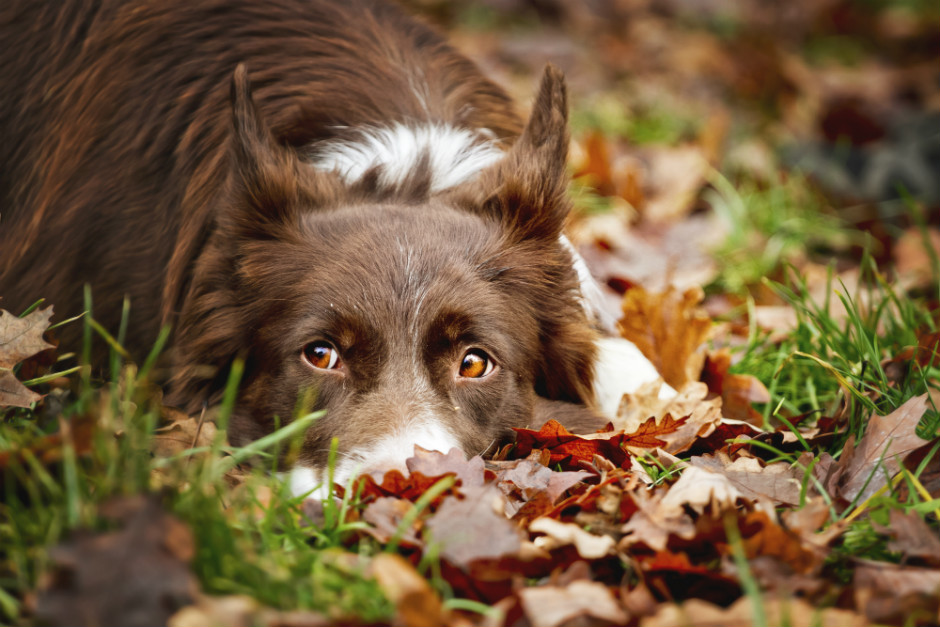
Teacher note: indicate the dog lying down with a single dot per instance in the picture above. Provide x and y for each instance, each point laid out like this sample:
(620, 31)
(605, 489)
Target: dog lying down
(325, 190)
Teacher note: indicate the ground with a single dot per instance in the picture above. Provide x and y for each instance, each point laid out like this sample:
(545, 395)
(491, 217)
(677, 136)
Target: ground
(757, 187)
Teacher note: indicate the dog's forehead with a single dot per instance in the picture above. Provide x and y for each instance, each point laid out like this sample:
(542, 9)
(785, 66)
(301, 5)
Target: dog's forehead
(392, 263)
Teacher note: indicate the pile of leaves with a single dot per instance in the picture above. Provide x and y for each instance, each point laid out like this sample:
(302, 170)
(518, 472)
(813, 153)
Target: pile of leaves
(793, 479)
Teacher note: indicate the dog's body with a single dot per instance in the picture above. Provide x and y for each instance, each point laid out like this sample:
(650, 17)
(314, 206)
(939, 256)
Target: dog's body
(373, 223)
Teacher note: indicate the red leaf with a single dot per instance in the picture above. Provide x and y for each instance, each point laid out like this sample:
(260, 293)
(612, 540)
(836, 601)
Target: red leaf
(646, 434)
(570, 450)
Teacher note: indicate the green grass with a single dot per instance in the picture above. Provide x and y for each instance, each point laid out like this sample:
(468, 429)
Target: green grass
(268, 550)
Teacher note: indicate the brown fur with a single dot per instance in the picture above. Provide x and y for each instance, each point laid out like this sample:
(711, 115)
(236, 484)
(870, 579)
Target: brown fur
(134, 161)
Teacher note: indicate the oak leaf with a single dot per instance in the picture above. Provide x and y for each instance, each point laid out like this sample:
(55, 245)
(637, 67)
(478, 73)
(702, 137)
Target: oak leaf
(589, 601)
(437, 464)
(780, 482)
(670, 329)
(557, 533)
(20, 338)
(473, 528)
(698, 418)
(570, 450)
(648, 434)
(870, 464)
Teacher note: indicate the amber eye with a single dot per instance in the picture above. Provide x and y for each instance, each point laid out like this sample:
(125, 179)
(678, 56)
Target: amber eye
(475, 364)
(322, 355)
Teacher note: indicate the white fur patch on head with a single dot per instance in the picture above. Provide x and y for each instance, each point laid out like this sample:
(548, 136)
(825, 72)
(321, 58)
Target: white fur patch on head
(453, 155)
(386, 454)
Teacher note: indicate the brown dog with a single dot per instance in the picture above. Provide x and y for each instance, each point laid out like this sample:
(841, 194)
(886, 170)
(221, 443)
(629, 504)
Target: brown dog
(371, 222)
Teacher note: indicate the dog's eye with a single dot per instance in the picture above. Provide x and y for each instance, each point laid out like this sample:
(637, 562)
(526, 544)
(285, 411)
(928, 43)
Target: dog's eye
(322, 355)
(475, 364)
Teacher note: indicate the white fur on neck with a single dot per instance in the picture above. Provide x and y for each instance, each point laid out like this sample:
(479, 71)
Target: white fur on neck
(454, 154)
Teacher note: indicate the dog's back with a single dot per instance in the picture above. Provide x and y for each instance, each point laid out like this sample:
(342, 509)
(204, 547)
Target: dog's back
(115, 119)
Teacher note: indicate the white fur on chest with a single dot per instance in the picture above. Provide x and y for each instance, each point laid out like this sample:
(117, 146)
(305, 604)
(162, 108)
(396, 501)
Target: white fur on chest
(453, 155)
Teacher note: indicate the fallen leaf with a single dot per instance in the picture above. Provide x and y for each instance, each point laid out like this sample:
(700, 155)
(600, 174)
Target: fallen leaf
(473, 528)
(778, 612)
(241, 610)
(385, 515)
(524, 481)
(652, 524)
(436, 464)
(13, 393)
(588, 600)
(878, 454)
(738, 392)
(649, 434)
(22, 337)
(570, 450)
(897, 594)
(181, 434)
(588, 545)
(698, 418)
(416, 603)
(655, 256)
(699, 488)
(912, 537)
(780, 482)
(762, 537)
(670, 329)
(675, 177)
(136, 575)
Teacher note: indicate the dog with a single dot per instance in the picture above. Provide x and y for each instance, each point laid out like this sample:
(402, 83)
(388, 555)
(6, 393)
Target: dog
(326, 192)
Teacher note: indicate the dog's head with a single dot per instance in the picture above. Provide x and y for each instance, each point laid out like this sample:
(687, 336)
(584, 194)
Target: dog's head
(413, 318)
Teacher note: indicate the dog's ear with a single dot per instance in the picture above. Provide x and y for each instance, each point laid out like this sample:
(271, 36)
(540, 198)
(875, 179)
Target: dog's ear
(270, 185)
(263, 173)
(527, 188)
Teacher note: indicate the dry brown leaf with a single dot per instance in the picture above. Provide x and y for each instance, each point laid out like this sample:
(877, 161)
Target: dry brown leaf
(474, 528)
(241, 610)
(912, 257)
(416, 603)
(895, 594)
(698, 488)
(136, 575)
(436, 464)
(654, 256)
(385, 514)
(779, 482)
(591, 601)
(779, 613)
(675, 177)
(670, 329)
(877, 456)
(912, 537)
(588, 545)
(523, 481)
(182, 434)
(652, 523)
(22, 337)
(13, 393)
(738, 391)
(702, 417)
